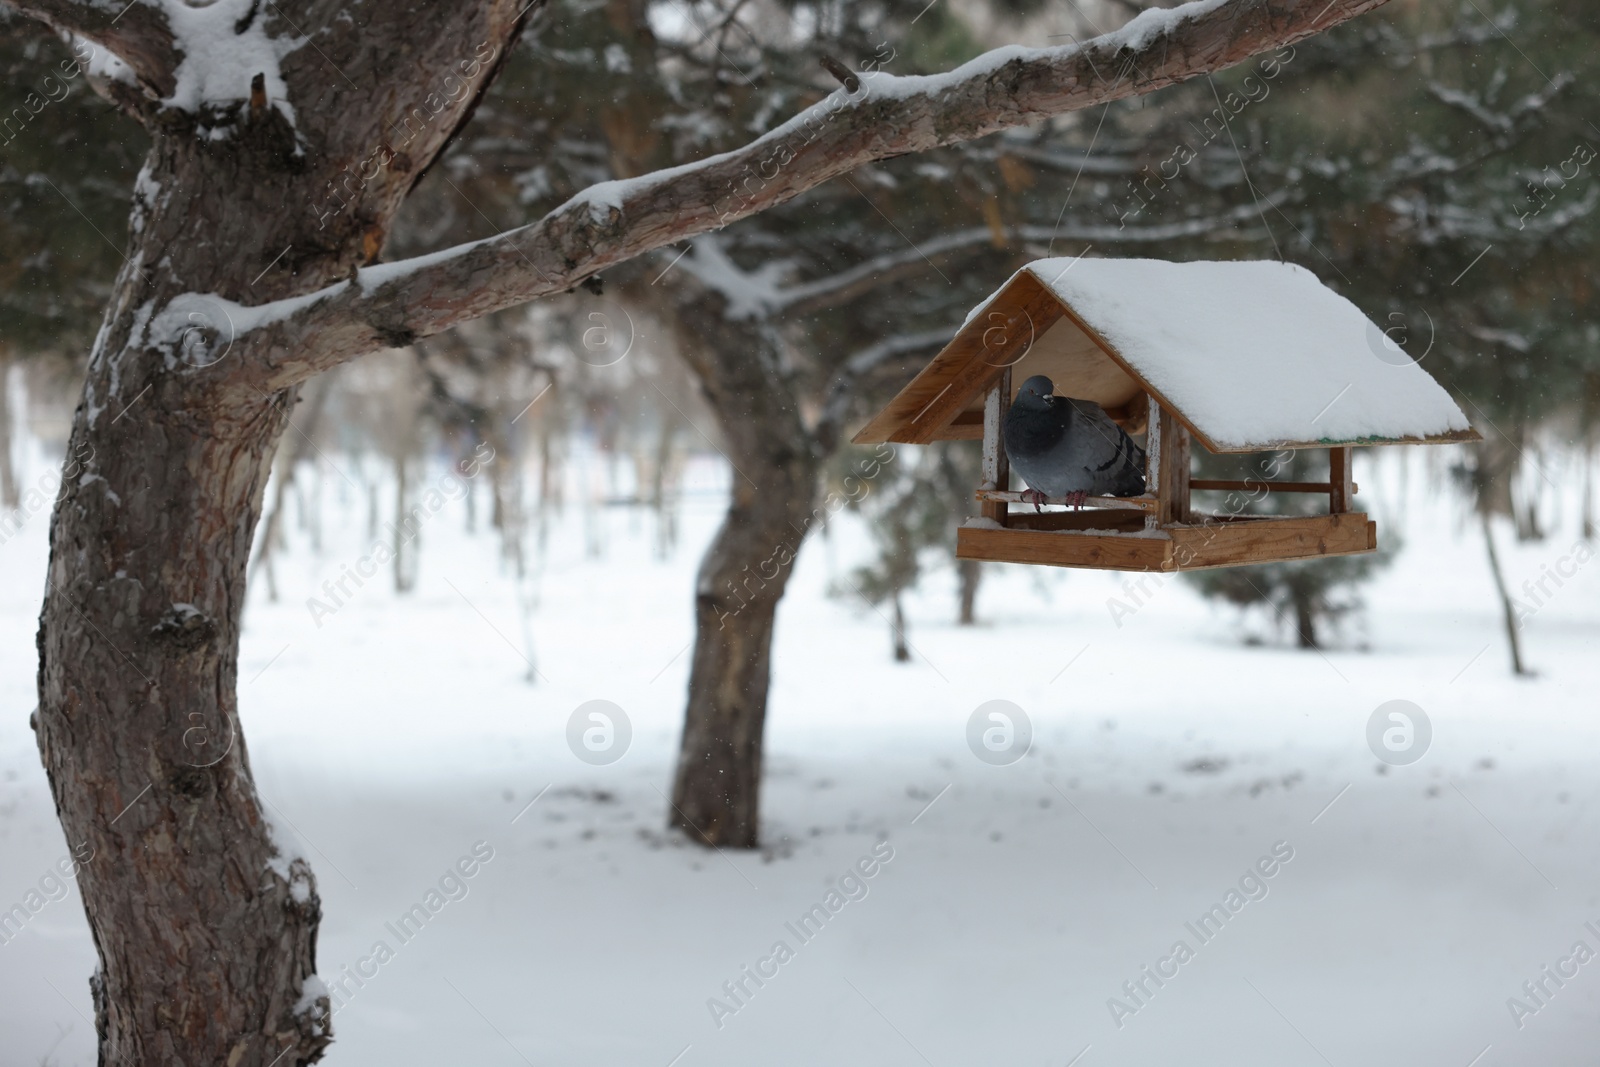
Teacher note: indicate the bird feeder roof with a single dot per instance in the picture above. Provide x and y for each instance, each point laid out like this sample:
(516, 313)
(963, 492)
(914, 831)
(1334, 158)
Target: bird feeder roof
(1250, 356)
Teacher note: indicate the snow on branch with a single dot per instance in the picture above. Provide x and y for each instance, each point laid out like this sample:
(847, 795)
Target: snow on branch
(394, 304)
(136, 34)
(756, 294)
(808, 297)
(1500, 122)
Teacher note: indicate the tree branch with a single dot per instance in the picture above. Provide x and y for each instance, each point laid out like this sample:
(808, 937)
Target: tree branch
(809, 297)
(135, 33)
(391, 305)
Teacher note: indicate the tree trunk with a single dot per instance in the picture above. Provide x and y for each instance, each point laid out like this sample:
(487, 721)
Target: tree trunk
(902, 652)
(1586, 512)
(970, 572)
(1305, 618)
(662, 477)
(404, 532)
(716, 791)
(1508, 610)
(205, 924)
(10, 491)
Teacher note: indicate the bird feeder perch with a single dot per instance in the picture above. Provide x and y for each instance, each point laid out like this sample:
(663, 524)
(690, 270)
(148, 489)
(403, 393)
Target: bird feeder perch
(1239, 357)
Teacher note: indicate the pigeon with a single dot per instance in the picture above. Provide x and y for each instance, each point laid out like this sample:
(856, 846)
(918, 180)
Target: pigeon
(1069, 448)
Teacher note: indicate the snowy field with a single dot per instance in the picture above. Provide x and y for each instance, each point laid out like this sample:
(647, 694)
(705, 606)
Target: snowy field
(1168, 760)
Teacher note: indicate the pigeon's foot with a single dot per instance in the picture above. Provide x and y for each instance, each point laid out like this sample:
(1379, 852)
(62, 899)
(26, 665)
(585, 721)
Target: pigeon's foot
(1034, 497)
(1075, 500)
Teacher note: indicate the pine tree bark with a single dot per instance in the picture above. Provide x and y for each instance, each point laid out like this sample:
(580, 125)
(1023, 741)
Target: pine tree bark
(716, 789)
(205, 928)
(205, 923)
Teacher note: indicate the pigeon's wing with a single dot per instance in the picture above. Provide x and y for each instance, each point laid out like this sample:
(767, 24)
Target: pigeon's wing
(1111, 464)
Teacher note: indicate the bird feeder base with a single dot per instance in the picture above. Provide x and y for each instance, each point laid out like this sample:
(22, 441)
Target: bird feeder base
(1119, 541)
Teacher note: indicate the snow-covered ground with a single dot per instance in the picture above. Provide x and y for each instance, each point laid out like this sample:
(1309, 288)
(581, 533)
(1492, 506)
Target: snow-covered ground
(1168, 759)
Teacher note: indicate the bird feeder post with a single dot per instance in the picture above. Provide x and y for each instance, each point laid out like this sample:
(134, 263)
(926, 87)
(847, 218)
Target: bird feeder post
(1152, 457)
(996, 467)
(1341, 488)
(1172, 470)
(1172, 483)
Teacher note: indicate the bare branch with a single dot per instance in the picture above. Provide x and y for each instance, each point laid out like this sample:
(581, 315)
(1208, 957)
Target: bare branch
(391, 305)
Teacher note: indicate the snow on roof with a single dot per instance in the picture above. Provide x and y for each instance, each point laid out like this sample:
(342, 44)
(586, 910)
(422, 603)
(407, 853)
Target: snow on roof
(1254, 353)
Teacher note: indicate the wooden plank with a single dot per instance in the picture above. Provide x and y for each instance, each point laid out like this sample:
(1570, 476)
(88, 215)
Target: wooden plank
(1340, 489)
(1262, 483)
(1125, 520)
(969, 431)
(1152, 454)
(1049, 539)
(997, 337)
(1171, 465)
(1138, 503)
(996, 465)
(1096, 552)
(1182, 467)
(1266, 539)
(1063, 354)
(1134, 416)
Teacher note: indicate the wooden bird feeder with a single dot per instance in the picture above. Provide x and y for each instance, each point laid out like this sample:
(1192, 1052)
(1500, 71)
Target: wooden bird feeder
(1241, 357)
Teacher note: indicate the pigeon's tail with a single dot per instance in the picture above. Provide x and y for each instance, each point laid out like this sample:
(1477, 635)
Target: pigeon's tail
(1130, 479)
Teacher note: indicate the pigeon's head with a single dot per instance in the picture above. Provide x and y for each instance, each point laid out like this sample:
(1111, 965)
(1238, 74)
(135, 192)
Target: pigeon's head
(1037, 392)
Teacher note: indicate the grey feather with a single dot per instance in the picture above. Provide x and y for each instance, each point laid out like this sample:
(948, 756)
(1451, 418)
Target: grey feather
(1060, 445)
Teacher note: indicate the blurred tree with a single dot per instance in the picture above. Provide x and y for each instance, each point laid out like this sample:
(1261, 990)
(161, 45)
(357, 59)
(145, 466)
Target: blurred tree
(1439, 164)
(910, 513)
(67, 164)
(1307, 597)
